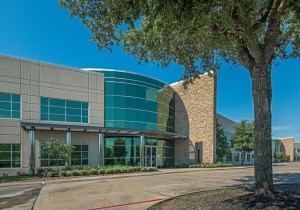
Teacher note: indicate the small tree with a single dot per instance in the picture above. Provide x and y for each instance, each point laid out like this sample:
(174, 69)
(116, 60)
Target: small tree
(223, 147)
(243, 137)
(58, 150)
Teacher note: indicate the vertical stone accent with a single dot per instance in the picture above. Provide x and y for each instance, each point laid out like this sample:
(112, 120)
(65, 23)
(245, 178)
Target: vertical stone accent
(287, 147)
(196, 118)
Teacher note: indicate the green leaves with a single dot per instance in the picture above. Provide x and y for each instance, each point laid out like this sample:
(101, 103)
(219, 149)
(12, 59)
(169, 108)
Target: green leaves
(194, 33)
(223, 147)
(58, 149)
(243, 137)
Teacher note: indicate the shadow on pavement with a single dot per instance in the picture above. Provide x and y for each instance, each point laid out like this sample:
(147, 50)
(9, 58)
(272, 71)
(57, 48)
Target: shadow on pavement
(9, 202)
(278, 178)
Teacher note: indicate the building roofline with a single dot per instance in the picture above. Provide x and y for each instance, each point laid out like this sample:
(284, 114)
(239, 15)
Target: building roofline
(124, 71)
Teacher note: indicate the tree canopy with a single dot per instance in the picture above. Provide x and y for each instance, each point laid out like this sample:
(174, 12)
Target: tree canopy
(187, 32)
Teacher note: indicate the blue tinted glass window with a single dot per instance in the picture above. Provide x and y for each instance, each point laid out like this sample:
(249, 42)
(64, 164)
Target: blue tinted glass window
(45, 101)
(85, 105)
(130, 115)
(136, 101)
(71, 111)
(57, 110)
(15, 114)
(10, 105)
(16, 106)
(57, 102)
(5, 97)
(5, 105)
(73, 118)
(119, 101)
(120, 88)
(5, 114)
(10, 155)
(119, 114)
(15, 98)
(109, 101)
(74, 104)
(56, 117)
(64, 110)
(109, 113)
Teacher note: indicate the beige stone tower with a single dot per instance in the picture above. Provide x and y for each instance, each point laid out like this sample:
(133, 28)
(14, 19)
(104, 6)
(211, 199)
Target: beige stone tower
(196, 119)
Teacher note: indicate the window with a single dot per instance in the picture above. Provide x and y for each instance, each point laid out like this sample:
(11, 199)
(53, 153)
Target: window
(10, 155)
(64, 110)
(298, 150)
(10, 105)
(46, 161)
(80, 156)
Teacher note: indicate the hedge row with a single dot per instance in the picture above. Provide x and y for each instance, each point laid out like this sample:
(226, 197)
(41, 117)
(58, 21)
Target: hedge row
(79, 171)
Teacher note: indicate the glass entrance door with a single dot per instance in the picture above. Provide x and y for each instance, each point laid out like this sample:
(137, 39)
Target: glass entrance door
(150, 156)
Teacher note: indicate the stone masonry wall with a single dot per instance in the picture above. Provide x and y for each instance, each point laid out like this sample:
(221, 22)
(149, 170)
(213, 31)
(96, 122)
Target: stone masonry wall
(287, 147)
(196, 118)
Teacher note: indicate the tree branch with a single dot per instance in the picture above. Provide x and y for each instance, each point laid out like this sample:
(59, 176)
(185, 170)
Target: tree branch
(264, 16)
(273, 29)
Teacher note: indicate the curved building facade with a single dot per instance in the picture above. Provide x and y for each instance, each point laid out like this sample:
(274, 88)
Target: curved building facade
(137, 102)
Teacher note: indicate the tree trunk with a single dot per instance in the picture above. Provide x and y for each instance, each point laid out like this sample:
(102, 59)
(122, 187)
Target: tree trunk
(262, 96)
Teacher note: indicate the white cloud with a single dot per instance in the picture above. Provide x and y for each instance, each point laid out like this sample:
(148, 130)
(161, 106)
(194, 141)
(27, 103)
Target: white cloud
(282, 127)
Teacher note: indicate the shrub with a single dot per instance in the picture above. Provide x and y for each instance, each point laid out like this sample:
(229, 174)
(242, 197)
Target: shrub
(210, 165)
(62, 173)
(101, 171)
(152, 169)
(281, 157)
(51, 174)
(68, 173)
(143, 169)
(82, 172)
(22, 173)
(67, 168)
(40, 171)
(75, 173)
(92, 171)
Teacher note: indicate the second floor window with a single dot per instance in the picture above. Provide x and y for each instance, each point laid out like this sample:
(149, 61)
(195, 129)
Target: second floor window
(53, 109)
(10, 105)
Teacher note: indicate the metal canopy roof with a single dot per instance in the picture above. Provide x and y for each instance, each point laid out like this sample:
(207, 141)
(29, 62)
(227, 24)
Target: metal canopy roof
(105, 130)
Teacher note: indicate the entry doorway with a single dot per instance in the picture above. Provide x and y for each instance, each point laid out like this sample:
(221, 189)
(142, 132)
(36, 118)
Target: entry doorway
(150, 156)
(199, 153)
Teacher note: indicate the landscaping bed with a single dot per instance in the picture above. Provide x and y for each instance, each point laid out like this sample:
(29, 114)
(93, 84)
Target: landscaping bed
(42, 173)
(286, 197)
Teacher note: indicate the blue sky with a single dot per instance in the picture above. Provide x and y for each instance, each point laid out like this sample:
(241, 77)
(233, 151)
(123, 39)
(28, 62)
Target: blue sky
(40, 30)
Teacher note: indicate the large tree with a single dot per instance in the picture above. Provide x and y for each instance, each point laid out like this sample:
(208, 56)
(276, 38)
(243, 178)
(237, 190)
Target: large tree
(243, 137)
(200, 34)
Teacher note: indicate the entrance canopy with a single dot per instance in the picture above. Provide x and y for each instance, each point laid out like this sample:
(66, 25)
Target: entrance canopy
(105, 130)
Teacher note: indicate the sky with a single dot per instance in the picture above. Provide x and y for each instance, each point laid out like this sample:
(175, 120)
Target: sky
(40, 30)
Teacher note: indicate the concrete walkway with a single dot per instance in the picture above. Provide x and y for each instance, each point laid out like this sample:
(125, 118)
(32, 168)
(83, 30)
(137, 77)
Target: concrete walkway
(139, 191)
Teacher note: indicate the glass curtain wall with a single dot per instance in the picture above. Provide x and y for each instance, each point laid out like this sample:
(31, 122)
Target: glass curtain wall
(138, 102)
(126, 151)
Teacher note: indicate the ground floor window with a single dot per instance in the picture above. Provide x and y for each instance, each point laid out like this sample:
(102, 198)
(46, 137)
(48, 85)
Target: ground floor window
(122, 151)
(46, 161)
(237, 157)
(126, 151)
(10, 155)
(80, 155)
